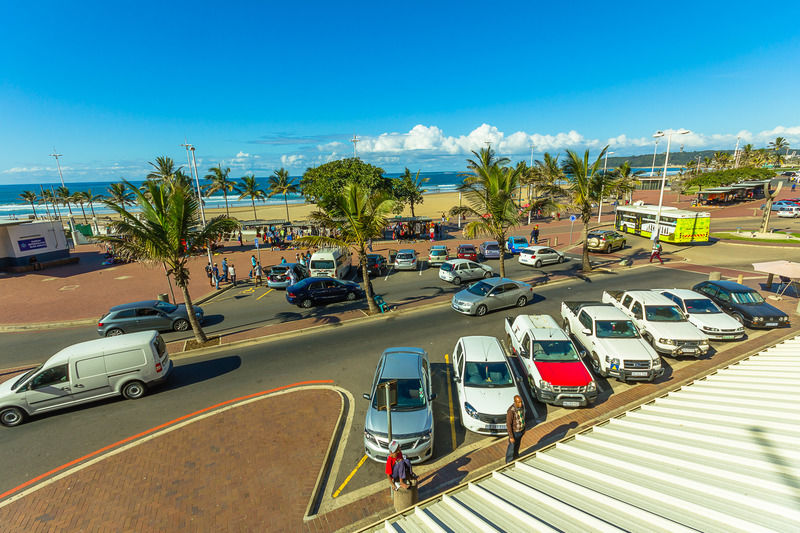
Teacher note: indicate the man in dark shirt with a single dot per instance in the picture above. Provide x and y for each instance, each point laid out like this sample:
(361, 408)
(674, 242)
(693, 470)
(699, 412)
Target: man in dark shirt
(515, 425)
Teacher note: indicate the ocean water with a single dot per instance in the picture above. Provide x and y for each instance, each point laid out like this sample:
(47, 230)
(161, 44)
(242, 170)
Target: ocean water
(12, 206)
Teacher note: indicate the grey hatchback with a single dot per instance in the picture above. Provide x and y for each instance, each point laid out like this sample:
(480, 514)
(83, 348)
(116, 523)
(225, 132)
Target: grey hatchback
(144, 316)
(490, 294)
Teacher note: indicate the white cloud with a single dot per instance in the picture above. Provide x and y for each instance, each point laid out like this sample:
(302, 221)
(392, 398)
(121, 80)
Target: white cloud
(292, 160)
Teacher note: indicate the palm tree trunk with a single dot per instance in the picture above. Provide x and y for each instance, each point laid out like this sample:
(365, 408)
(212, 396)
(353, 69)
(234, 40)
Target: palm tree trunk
(286, 203)
(199, 334)
(587, 265)
(255, 216)
(85, 220)
(501, 239)
(412, 208)
(362, 258)
(225, 195)
(34, 209)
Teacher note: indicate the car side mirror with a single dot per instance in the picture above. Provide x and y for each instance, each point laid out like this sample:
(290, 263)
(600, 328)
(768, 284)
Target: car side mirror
(587, 331)
(365, 396)
(583, 353)
(432, 397)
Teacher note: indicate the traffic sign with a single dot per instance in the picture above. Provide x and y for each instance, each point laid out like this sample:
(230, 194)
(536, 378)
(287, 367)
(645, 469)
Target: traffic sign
(572, 218)
(256, 241)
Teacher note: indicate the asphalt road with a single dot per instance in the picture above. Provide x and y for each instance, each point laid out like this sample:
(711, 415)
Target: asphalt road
(345, 354)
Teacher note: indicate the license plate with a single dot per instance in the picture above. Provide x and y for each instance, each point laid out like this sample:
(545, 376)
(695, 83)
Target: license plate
(729, 337)
(495, 426)
(771, 324)
(638, 374)
(690, 350)
(571, 404)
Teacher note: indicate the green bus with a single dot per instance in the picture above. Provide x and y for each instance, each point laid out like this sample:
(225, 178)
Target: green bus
(677, 225)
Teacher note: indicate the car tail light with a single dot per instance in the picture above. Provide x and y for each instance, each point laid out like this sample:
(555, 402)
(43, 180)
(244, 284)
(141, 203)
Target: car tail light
(158, 367)
(291, 294)
(99, 324)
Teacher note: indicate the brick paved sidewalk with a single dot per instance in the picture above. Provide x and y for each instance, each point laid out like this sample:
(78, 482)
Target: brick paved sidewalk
(249, 468)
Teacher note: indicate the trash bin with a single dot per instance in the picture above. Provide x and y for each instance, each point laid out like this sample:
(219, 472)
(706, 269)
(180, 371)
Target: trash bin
(163, 297)
(405, 498)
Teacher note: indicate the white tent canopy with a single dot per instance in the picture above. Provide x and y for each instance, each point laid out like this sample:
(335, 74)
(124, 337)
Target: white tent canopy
(787, 269)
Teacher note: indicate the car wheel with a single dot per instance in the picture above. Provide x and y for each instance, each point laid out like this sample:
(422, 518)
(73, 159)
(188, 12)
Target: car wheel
(181, 325)
(305, 304)
(351, 296)
(487, 274)
(560, 258)
(133, 390)
(456, 280)
(607, 249)
(622, 245)
(538, 263)
(739, 318)
(113, 332)
(12, 416)
(481, 310)
(522, 301)
(596, 366)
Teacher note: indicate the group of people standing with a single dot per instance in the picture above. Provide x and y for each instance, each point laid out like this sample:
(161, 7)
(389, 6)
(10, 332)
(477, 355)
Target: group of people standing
(217, 275)
(413, 231)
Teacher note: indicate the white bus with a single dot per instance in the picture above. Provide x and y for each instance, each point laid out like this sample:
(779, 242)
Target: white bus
(330, 262)
(677, 225)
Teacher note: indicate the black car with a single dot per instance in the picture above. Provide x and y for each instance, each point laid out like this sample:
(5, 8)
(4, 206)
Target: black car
(376, 264)
(320, 291)
(743, 303)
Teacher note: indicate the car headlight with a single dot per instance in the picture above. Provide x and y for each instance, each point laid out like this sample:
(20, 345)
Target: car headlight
(471, 411)
(545, 386)
(657, 364)
(758, 319)
(591, 387)
(666, 341)
(704, 344)
(425, 437)
(711, 330)
(370, 437)
(783, 319)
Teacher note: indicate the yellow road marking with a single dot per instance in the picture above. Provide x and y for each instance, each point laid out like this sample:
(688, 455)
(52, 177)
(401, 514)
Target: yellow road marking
(450, 400)
(248, 290)
(269, 291)
(349, 477)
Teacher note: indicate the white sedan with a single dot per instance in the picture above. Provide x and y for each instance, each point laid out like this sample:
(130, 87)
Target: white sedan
(485, 384)
(540, 255)
(705, 315)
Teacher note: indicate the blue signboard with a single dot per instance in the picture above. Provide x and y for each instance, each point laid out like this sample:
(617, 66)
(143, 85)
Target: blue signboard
(32, 244)
(256, 241)
(572, 218)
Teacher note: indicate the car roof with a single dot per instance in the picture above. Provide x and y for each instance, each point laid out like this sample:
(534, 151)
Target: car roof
(605, 312)
(406, 251)
(491, 242)
(541, 326)
(466, 245)
(402, 363)
(517, 238)
(481, 348)
(143, 303)
(438, 247)
(730, 285)
(499, 281)
(458, 261)
(103, 345)
(684, 293)
(600, 231)
(284, 265)
(650, 297)
(537, 247)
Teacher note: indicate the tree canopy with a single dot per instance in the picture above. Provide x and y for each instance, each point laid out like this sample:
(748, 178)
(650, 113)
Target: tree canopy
(720, 178)
(324, 184)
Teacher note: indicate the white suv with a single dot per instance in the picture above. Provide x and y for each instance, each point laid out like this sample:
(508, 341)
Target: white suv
(457, 270)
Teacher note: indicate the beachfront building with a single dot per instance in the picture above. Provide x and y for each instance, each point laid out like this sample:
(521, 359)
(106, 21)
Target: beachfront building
(26, 244)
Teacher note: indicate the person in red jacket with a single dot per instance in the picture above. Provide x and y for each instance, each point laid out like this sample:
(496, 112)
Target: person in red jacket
(395, 456)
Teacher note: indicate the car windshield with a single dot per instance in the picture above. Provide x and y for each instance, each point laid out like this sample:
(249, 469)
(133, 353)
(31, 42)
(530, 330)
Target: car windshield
(663, 313)
(616, 329)
(438, 252)
(278, 270)
(750, 297)
(404, 256)
(596, 236)
(554, 351)
(487, 375)
(701, 306)
(322, 264)
(492, 247)
(480, 289)
(467, 249)
(410, 395)
(25, 376)
(520, 240)
(166, 307)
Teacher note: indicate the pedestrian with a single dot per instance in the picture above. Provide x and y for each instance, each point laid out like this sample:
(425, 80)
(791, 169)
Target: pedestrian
(232, 273)
(239, 238)
(210, 273)
(398, 468)
(656, 252)
(252, 265)
(558, 215)
(369, 244)
(535, 234)
(515, 426)
(433, 233)
(225, 269)
(292, 277)
(215, 272)
(257, 272)
(297, 258)
(794, 184)
(283, 260)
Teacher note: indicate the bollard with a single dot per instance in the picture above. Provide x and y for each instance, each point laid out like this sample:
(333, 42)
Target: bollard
(555, 240)
(740, 279)
(405, 498)
(714, 276)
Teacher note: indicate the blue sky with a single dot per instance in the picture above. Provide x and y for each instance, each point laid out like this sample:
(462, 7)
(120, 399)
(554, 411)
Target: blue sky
(259, 85)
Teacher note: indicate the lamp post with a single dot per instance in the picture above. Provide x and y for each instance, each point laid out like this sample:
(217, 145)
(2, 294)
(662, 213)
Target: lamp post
(657, 230)
(736, 154)
(600, 202)
(653, 166)
(60, 175)
(193, 168)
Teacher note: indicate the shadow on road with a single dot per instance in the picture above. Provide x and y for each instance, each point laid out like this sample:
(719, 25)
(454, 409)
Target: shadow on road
(193, 373)
(213, 320)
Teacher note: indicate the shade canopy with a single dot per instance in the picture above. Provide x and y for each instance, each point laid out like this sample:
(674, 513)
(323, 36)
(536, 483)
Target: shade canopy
(788, 269)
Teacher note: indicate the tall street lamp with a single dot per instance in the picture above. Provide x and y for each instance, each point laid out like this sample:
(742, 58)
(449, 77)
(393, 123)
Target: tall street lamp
(600, 203)
(657, 230)
(653, 167)
(193, 169)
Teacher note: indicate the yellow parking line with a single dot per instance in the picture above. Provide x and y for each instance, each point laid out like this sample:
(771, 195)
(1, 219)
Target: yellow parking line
(348, 478)
(450, 400)
(269, 291)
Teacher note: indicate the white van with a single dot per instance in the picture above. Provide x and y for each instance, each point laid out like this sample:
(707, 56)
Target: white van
(329, 262)
(789, 212)
(85, 372)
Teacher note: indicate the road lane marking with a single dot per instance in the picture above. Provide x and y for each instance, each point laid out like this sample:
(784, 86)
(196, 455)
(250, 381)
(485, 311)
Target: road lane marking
(249, 290)
(450, 400)
(349, 477)
(269, 291)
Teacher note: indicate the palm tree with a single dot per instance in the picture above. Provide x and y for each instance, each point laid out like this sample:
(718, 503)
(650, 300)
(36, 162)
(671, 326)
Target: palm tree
(250, 189)
(30, 197)
(48, 196)
(585, 183)
(488, 191)
(165, 232)
(163, 169)
(91, 199)
(119, 194)
(220, 182)
(78, 198)
(779, 144)
(624, 180)
(281, 183)
(746, 154)
(410, 189)
(65, 197)
(358, 215)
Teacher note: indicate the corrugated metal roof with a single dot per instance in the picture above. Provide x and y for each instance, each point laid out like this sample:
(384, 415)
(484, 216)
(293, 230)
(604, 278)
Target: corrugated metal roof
(719, 454)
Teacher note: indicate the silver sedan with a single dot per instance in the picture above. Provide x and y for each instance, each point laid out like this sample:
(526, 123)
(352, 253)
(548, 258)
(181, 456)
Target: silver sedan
(491, 294)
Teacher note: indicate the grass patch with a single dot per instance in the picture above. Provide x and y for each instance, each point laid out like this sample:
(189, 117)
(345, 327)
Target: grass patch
(737, 237)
